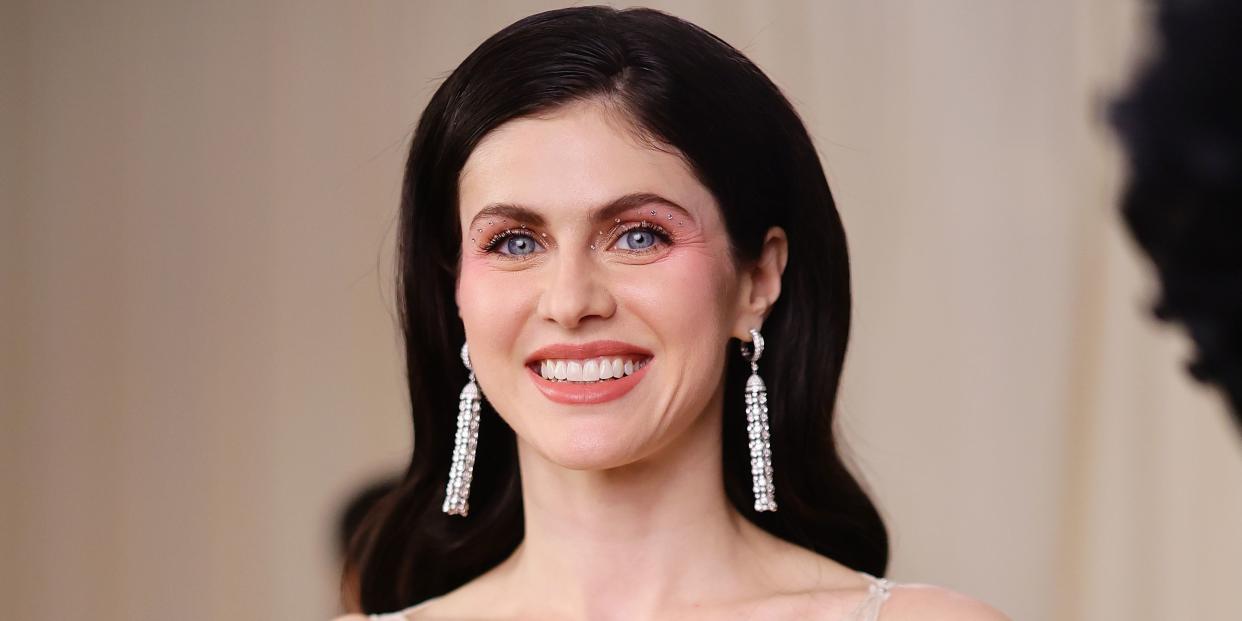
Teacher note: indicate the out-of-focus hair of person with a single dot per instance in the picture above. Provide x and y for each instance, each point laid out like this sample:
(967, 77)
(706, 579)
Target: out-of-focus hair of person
(1181, 125)
(348, 524)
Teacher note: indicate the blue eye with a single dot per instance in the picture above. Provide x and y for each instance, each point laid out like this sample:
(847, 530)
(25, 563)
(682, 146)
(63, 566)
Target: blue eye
(639, 238)
(514, 243)
(518, 244)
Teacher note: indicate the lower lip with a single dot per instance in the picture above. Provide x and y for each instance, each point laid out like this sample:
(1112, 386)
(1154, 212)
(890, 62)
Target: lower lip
(573, 393)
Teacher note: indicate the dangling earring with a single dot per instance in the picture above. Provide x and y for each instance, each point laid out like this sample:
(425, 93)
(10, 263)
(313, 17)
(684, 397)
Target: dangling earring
(457, 494)
(757, 427)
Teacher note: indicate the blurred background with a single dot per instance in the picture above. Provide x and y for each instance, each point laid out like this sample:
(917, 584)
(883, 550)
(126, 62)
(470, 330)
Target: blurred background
(200, 361)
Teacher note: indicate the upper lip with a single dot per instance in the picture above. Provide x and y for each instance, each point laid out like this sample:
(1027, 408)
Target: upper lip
(582, 351)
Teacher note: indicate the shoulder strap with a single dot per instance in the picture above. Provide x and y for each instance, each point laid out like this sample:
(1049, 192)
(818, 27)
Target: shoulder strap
(877, 594)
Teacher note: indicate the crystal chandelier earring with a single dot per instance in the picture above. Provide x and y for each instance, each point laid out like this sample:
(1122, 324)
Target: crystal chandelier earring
(757, 427)
(457, 493)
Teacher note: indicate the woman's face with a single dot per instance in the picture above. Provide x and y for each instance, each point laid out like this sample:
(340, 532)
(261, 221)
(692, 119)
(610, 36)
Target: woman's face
(597, 288)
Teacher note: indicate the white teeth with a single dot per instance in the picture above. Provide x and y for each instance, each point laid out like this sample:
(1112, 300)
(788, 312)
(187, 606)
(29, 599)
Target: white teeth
(590, 370)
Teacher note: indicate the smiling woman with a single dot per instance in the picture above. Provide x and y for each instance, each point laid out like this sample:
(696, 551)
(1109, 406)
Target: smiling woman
(608, 214)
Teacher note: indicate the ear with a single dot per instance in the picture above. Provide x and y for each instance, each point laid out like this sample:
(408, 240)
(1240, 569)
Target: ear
(761, 283)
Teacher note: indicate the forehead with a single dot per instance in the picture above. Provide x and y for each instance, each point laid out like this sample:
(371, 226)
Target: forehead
(572, 159)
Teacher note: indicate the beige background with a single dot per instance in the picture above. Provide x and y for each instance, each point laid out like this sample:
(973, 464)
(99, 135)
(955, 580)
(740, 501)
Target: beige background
(200, 359)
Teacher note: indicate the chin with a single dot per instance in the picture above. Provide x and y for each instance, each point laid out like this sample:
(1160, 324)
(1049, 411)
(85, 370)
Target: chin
(594, 448)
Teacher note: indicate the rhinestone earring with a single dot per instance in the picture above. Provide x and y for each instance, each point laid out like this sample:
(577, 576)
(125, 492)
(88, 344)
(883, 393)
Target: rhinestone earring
(757, 427)
(457, 493)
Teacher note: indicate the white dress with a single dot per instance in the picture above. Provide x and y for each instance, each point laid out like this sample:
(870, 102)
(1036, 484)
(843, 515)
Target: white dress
(867, 610)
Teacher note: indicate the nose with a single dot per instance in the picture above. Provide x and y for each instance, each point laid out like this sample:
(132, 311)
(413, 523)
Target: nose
(575, 292)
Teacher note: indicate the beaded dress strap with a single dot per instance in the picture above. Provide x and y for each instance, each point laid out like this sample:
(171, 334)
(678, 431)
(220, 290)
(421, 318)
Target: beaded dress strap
(877, 594)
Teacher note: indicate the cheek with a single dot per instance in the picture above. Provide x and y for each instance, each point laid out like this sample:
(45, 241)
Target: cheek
(686, 297)
(494, 305)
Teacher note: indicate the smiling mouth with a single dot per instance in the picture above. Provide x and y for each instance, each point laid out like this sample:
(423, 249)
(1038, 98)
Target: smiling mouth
(589, 370)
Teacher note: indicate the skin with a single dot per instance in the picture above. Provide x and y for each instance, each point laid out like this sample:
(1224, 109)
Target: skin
(625, 510)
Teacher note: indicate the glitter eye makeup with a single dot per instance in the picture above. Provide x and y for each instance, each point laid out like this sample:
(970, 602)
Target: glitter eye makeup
(513, 243)
(639, 237)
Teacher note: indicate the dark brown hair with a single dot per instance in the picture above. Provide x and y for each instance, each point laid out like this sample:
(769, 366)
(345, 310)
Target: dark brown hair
(1181, 124)
(687, 89)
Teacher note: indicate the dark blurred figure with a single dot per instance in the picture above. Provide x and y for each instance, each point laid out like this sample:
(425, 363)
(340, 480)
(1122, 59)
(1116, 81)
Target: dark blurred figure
(1181, 124)
(349, 522)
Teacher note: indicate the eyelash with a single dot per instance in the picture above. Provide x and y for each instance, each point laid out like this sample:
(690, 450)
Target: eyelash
(504, 235)
(657, 230)
(617, 231)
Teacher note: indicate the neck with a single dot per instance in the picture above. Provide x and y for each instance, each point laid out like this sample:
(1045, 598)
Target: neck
(655, 534)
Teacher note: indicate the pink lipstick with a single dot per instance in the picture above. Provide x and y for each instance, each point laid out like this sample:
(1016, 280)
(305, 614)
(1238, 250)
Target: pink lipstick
(587, 373)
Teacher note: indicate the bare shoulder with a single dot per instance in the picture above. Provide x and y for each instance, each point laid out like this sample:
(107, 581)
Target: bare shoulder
(353, 617)
(922, 602)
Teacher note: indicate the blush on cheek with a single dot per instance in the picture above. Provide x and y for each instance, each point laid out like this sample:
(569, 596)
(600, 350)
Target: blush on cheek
(489, 299)
(685, 293)
(468, 290)
(703, 287)
(496, 304)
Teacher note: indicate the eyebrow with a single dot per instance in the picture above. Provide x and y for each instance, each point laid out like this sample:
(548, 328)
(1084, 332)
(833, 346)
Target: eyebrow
(604, 212)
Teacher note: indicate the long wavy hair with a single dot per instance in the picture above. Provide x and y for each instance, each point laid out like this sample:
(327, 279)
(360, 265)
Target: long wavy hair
(683, 88)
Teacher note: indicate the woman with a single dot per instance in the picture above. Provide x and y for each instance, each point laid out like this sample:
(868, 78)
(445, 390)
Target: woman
(622, 227)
